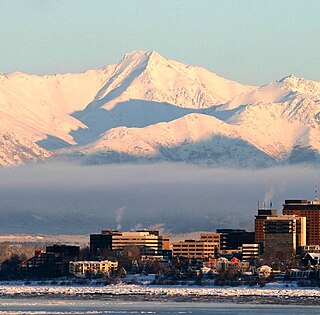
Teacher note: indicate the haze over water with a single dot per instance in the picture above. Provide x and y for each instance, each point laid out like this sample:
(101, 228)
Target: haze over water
(175, 198)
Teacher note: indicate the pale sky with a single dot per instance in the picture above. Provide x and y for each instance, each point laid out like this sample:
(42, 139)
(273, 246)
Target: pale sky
(253, 42)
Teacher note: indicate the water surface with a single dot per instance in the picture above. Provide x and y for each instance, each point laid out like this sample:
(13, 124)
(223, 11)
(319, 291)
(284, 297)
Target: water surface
(60, 306)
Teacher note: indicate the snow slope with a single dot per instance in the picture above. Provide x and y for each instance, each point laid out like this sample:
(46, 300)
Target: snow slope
(150, 108)
(195, 138)
(146, 88)
(272, 124)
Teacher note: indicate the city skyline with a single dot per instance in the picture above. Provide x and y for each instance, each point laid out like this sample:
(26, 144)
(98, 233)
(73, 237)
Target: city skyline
(156, 154)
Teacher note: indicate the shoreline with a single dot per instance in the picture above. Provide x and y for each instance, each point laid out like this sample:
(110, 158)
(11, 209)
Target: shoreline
(254, 299)
(278, 295)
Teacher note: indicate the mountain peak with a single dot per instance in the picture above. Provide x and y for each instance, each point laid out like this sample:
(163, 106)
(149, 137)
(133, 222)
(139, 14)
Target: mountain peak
(288, 77)
(291, 80)
(148, 99)
(141, 57)
(141, 54)
(300, 85)
(136, 53)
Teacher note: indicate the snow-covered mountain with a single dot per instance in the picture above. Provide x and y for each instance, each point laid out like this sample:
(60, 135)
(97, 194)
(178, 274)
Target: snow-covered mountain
(148, 108)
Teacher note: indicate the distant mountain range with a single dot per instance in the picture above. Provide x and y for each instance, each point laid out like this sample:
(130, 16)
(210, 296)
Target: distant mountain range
(147, 108)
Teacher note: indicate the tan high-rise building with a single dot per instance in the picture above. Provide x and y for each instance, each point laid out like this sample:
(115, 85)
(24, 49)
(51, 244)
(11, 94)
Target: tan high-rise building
(311, 211)
(283, 234)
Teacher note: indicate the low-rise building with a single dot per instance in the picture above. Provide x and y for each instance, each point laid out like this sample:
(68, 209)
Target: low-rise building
(42, 265)
(309, 249)
(265, 271)
(211, 237)
(148, 242)
(54, 262)
(311, 259)
(198, 249)
(104, 267)
(311, 274)
(250, 252)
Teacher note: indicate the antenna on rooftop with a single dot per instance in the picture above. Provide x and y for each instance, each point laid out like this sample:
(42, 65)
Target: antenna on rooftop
(258, 204)
(316, 192)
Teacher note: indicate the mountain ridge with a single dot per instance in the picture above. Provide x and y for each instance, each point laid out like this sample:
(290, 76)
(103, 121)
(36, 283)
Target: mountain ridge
(149, 108)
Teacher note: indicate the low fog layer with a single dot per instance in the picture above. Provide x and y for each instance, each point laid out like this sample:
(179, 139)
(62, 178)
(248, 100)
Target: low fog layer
(176, 198)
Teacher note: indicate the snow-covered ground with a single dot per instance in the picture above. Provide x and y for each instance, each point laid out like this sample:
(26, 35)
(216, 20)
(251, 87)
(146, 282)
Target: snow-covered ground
(270, 291)
(82, 240)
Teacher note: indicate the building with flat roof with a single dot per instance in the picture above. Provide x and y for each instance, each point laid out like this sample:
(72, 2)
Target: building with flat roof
(284, 234)
(166, 243)
(234, 238)
(211, 237)
(149, 242)
(52, 263)
(309, 249)
(199, 249)
(101, 243)
(67, 251)
(259, 223)
(311, 211)
(250, 252)
(104, 267)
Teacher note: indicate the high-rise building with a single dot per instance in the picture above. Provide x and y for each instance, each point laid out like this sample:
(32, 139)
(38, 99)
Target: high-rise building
(283, 234)
(311, 211)
(259, 223)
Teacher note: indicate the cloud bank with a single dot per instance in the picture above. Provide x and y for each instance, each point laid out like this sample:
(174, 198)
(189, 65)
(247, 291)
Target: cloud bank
(74, 199)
